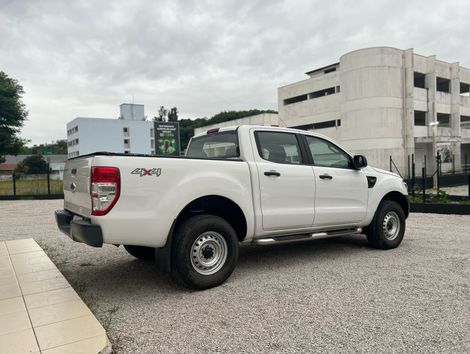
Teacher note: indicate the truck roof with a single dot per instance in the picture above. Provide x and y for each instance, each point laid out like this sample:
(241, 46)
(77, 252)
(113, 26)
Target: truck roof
(235, 127)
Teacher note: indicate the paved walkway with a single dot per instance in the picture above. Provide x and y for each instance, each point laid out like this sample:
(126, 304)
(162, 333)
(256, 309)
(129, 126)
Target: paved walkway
(39, 311)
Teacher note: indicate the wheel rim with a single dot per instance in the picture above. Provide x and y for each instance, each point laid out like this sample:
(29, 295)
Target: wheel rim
(208, 253)
(391, 225)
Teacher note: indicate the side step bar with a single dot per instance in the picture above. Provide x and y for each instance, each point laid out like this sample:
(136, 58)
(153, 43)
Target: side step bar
(306, 237)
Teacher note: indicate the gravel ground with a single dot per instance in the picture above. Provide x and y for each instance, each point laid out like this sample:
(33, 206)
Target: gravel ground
(335, 295)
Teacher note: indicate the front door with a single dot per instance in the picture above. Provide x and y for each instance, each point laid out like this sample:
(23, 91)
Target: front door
(341, 190)
(287, 188)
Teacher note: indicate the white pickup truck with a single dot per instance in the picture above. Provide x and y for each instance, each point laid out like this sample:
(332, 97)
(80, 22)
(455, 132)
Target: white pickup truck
(246, 184)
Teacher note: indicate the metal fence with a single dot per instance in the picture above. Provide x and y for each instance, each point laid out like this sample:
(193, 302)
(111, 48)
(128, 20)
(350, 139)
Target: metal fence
(20, 184)
(425, 178)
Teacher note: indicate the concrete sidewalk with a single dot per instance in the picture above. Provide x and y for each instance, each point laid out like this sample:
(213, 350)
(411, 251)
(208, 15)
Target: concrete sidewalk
(39, 311)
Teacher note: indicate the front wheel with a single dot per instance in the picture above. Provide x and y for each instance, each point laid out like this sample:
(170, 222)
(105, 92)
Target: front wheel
(205, 252)
(388, 226)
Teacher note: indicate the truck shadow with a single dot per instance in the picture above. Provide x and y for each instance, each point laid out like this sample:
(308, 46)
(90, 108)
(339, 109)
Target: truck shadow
(136, 278)
(290, 254)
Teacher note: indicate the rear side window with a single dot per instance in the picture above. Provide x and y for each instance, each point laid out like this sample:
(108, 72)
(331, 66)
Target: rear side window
(216, 146)
(278, 147)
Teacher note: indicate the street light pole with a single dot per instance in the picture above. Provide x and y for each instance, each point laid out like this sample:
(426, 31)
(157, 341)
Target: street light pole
(433, 126)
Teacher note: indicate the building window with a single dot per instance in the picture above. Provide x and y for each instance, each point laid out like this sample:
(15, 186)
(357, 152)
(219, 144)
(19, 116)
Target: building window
(72, 130)
(338, 89)
(464, 89)
(152, 135)
(295, 99)
(442, 84)
(127, 144)
(330, 70)
(152, 144)
(320, 125)
(321, 93)
(465, 122)
(420, 118)
(152, 152)
(444, 120)
(126, 151)
(419, 80)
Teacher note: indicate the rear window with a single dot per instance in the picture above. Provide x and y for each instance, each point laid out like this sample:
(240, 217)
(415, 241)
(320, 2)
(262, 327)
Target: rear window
(215, 146)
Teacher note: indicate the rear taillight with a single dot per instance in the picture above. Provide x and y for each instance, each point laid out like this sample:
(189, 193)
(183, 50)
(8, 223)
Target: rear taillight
(105, 189)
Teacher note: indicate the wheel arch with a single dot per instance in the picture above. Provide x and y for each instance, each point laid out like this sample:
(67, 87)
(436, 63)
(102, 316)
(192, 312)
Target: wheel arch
(399, 198)
(212, 204)
(220, 206)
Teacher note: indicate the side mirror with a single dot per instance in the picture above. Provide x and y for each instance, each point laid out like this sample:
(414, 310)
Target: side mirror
(360, 161)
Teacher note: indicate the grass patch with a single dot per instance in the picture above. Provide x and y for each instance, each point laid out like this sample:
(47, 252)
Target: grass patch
(433, 198)
(31, 187)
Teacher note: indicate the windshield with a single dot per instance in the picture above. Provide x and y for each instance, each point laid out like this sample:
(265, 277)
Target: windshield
(215, 146)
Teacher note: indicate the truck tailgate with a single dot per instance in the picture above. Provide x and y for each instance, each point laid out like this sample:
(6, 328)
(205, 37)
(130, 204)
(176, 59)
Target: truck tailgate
(77, 176)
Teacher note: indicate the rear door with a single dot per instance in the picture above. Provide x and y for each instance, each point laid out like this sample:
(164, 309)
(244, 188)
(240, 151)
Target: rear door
(287, 187)
(77, 176)
(341, 190)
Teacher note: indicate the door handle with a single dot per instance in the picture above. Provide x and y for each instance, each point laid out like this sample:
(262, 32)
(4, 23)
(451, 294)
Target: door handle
(272, 173)
(326, 176)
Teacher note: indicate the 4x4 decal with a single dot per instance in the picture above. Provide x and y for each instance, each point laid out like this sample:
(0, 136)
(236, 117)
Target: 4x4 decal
(147, 172)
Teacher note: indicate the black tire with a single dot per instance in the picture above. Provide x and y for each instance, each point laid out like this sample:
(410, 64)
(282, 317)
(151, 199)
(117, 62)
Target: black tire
(141, 252)
(381, 232)
(198, 241)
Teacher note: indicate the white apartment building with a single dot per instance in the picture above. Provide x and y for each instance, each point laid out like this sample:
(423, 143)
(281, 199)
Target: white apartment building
(382, 102)
(130, 133)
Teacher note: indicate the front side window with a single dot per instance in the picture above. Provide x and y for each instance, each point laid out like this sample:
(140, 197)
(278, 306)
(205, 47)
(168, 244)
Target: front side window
(278, 147)
(216, 146)
(327, 154)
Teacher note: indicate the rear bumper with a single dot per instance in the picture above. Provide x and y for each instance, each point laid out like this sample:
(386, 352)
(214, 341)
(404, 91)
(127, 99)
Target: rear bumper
(79, 230)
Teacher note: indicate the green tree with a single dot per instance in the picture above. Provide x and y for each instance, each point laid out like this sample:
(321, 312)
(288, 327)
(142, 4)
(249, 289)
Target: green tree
(55, 148)
(231, 115)
(13, 113)
(173, 115)
(187, 129)
(32, 164)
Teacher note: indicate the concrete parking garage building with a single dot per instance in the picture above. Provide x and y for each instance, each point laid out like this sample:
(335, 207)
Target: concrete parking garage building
(383, 102)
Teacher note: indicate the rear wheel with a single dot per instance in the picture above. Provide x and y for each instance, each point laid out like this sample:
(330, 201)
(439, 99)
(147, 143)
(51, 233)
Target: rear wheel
(141, 252)
(388, 226)
(205, 252)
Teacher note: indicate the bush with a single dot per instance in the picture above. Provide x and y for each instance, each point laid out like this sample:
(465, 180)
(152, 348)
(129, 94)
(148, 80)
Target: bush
(33, 164)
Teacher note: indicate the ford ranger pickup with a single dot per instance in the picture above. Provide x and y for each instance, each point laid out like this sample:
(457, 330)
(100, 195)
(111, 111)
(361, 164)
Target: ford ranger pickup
(236, 185)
